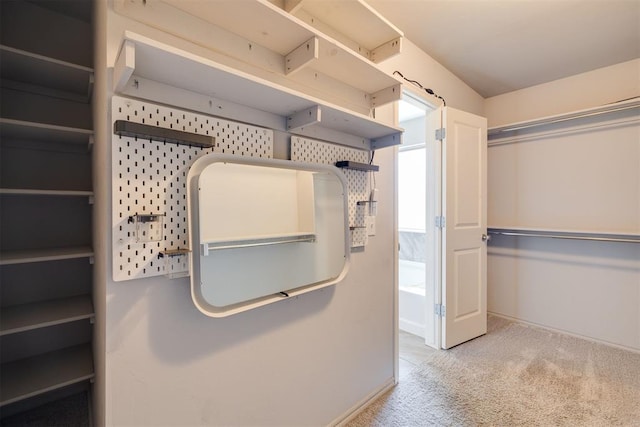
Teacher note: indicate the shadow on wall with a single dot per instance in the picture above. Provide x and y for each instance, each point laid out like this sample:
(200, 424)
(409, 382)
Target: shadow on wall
(179, 333)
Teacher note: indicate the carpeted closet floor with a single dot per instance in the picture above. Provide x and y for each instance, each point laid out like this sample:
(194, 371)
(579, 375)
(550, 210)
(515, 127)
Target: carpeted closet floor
(515, 375)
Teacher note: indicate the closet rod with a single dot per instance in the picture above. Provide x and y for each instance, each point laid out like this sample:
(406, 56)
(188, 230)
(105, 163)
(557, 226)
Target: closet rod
(609, 108)
(569, 236)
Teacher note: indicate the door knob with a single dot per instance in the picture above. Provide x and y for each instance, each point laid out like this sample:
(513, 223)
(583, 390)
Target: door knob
(486, 238)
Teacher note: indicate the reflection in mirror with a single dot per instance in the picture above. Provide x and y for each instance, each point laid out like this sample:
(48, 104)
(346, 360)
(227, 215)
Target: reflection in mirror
(263, 229)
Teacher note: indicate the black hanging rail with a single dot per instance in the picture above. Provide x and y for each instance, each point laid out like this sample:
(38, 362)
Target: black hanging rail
(156, 133)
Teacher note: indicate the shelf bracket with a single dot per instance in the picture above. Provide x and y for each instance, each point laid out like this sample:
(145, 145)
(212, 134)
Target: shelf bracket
(292, 6)
(308, 117)
(90, 142)
(124, 66)
(385, 96)
(386, 50)
(386, 141)
(301, 56)
(90, 83)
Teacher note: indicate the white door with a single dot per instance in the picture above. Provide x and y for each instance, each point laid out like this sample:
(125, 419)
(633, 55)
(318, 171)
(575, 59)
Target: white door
(462, 236)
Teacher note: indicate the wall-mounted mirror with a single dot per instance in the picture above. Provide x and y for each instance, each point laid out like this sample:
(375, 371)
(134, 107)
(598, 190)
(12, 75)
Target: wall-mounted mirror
(262, 230)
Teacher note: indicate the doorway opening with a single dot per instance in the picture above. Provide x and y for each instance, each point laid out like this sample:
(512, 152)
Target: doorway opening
(413, 275)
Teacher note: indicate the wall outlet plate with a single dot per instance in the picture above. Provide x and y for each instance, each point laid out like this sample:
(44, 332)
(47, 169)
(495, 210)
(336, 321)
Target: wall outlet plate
(371, 225)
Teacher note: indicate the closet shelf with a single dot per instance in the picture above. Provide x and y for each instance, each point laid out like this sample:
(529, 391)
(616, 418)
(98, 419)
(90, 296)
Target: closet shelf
(54, 76)
(41, 255)
(25, 317)
(353, 22)
(143, 59)
(20, 129)
(261, 23)
(30, 377)
(42, 192)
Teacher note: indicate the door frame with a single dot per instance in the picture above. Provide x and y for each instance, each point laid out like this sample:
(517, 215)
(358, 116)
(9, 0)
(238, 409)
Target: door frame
(434, 235)
(417, 96)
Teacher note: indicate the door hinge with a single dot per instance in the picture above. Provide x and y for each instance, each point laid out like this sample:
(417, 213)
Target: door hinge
(441, 134)
(440, 221)
(440, 310)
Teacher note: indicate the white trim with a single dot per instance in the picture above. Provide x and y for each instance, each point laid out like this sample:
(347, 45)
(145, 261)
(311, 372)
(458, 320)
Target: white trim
(563, 332)
(396, 271)
(412, 327)
(356, 409)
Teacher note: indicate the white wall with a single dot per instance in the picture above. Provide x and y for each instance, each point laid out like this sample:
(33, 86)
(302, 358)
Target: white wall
(101, 212)
(586, 90)
(307, 360)
(568, 177)
(415, 64)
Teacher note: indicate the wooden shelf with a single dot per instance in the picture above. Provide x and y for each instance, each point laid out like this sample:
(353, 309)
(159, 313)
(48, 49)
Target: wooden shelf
(46, 372)
(155, 61)
(58, 77)
(20, 129)
(40, 255)
(352, 22)
(25, 317)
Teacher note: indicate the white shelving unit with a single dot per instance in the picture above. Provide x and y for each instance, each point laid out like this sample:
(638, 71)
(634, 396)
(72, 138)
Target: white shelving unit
(352, 22)
(144, 65)
(45, 234)
(265, 35)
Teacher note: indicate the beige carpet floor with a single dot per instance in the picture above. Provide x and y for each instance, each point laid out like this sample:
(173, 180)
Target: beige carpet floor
(515, 375)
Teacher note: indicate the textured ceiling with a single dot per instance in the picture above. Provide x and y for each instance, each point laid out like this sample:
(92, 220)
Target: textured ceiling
(498, 46)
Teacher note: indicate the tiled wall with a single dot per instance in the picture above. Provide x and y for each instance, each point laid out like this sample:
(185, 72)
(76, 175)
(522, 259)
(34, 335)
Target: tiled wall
(412, 246)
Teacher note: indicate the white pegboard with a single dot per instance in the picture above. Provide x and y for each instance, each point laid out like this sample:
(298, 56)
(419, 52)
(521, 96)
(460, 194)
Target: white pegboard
(312, 151)
(149, 178)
